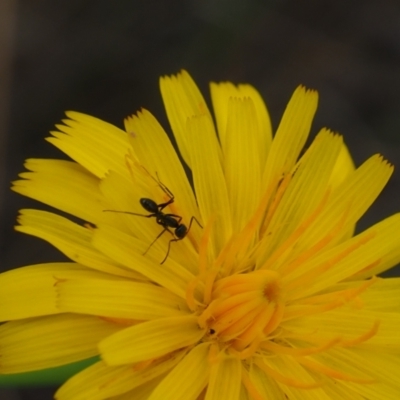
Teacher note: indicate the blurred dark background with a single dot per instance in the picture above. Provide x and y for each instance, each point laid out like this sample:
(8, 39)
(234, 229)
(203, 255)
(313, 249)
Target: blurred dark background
(104, 58)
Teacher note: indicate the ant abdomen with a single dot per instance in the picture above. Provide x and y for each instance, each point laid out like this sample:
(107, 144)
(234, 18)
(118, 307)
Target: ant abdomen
(149, 205)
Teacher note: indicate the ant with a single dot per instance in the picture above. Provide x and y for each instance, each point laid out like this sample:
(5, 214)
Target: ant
(167, 221)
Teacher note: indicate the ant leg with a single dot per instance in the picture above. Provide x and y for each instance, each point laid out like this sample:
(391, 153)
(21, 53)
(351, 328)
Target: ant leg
(190, 223)
(183, 234)
(167, 203)
(158, 236)
(166, 191)
(169, 247)
(164, 188)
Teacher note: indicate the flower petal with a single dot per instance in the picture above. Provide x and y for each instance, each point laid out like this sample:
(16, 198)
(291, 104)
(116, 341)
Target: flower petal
(344, 167)
(209, 181)
(183, 100)
(356, 362)
(101, 381)
(149, 340)
(265, 385)
(70, 238)
(118, 299)
(31, 291)
(187, 380)
(242, 162)
(384, 295)
(141, 392)
(128, 251)
(380, 330)
(220, 95)
(96, 145)
(225, 380)
(291, 135)
(62, 184)
(304, 193)
(44, 342)
(372, 247)
(294, 380)
(350, 200)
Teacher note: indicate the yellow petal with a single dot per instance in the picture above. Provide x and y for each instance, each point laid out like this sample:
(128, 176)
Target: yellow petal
(225, 380)
(64, 185)
(304, 192)
(122, 197)
(128, 251)
(263, 119)
(220, 95)
(142, 392)
(294, 380)
(369, 248)
(384, 295)
(118, 299)
(331, 222)
(45, 342)
(209, 181)
(32, 291)
(101, 381)
(344, 167)
(384, 365)
(351, 199)
(242, 161)
(96, 145)
(149, 340)
(265, 385)
(183, 100)
(291, 135)
(96, 382)
(187, 380)
(385, 379)
(350, 325)
(70, 238)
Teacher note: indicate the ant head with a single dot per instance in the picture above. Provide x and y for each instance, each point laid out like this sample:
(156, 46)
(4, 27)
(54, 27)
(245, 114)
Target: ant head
(181, 231)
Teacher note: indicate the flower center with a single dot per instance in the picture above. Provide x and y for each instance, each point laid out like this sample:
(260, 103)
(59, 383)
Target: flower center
(245, 308)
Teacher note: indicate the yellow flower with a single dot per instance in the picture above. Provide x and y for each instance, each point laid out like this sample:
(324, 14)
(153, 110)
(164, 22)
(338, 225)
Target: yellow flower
(260, 289)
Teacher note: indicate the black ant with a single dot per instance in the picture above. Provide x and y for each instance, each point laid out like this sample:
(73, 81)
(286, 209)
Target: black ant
(167, 221)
